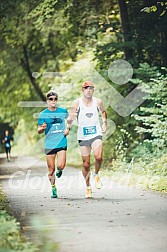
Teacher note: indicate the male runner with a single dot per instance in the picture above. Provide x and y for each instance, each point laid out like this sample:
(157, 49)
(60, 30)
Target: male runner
(87, 109)
(52, 122)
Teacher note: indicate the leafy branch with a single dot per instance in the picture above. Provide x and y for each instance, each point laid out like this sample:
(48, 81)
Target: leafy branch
(160, 6)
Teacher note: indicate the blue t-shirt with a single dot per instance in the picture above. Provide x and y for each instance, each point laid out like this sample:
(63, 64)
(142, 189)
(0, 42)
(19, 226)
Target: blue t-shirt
(54, 133)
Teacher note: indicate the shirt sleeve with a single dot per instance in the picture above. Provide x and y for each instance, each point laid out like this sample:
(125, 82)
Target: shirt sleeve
(41, 119)
(66, 114)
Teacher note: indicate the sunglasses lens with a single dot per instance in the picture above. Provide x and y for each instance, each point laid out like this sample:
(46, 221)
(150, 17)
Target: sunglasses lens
(90, 87)
(52, 99)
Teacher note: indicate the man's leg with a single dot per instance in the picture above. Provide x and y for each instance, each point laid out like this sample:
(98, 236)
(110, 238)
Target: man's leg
(51, 168)
(85, 152)
(97, 148)
(61, 162)
(51, 173)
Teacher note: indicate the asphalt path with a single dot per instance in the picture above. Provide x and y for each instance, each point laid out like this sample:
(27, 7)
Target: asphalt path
(117, 218)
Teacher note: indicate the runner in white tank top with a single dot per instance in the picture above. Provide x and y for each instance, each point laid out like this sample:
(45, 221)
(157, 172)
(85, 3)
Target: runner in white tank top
(87, 111)
(88, 120)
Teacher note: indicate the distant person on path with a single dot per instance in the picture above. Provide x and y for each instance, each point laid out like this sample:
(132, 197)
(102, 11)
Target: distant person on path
(7, 141)
(52, 122)
(87, 109)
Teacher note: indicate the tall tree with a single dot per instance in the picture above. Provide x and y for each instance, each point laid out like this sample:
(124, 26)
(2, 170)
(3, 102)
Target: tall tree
(127, 33)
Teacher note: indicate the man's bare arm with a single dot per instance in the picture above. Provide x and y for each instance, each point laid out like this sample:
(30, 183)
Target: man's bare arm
(104, 115)
(72, 114)
(103, 111)
(41, 128)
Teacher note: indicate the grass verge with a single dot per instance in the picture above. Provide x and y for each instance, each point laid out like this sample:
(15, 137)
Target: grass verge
(152, 176)
(10, 233)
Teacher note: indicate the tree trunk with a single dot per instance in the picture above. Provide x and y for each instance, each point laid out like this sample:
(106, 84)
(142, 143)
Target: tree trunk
(163, 48)
(125, 28)
(26, 65)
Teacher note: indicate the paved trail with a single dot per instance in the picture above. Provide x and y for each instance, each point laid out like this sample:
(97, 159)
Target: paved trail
(118, 218)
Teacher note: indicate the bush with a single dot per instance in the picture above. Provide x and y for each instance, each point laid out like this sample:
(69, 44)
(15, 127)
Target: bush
(11, 239)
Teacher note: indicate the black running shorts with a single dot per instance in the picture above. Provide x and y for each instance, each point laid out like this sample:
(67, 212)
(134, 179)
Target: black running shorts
(7, 149)
(54, 151)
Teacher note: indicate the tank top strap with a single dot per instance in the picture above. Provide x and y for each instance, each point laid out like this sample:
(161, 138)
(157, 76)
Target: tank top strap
(95, 103)
(81, 104)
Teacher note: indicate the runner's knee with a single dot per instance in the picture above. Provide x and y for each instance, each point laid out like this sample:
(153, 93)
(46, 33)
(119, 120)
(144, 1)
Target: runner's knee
(99, 158)
(61, 166)
(51, 171)
(86, 165)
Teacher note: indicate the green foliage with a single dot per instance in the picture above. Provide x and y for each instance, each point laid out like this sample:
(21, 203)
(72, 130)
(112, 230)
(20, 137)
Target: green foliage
(144, 41)
(143, 153)
(44, 234)
(153, 115)
(137, 173)
(3, 204)
(10, 233)
(11, 239)
(54, 34)
(161, 7)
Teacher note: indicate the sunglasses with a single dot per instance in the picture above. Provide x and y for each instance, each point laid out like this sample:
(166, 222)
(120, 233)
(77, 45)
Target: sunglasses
(90, 87)
(52, 99)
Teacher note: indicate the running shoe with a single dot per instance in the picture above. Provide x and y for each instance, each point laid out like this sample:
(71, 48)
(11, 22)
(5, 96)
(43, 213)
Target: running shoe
(58, 173)
(88, 193)
(54, 192)
(98, 183)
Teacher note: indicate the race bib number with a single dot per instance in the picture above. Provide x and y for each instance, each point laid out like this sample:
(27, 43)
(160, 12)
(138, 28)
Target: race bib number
(56, 128)
(7, 145)
(89, 130)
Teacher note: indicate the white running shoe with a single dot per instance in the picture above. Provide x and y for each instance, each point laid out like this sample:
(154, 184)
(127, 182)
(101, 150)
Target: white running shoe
(98, 183)
(88, 193)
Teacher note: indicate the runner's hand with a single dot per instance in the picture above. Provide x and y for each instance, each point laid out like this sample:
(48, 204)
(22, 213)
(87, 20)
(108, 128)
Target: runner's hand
(104, 127)
(44, 126)
(66, 132)
(41, 128)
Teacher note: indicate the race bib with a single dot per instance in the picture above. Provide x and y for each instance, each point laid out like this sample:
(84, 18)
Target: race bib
(56, 128)
(89, 130)
(7, 145)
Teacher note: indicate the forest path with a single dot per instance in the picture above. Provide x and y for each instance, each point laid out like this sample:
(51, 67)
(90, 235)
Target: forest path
(117, 218)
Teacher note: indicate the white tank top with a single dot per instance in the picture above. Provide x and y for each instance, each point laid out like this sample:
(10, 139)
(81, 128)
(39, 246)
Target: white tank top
(88, 120)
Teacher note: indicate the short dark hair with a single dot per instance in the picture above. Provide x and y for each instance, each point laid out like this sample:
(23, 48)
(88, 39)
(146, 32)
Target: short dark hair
(51, 93)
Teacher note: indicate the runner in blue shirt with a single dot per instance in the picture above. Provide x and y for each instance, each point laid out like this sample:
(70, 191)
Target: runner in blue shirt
(7, 141)
(52, 122)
